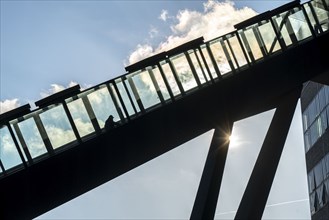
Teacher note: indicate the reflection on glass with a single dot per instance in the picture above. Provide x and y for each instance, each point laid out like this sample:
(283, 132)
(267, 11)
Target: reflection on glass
(80, 117)
(280, 21)
(237, 50)
(254, 46)
(131, 93)
(32, 137)
(184, 72)
(210, 64)
(220, 58)
(229, 55)
(8, 151)
(322, 15)
(170, 78)
(16, 137)
(116, 97)
(57, 126)
(102, 105)
(269, 37)
(146, 89)
(125, 97)
(199, 66)
(299, 25)
(311, 17)
(161, 83)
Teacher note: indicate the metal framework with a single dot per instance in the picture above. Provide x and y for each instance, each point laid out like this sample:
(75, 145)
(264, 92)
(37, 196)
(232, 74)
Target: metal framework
(164, 101)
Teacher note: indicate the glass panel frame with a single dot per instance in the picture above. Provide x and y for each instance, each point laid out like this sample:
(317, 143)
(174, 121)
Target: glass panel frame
(80, 116)
(8, 151)
(57, 126)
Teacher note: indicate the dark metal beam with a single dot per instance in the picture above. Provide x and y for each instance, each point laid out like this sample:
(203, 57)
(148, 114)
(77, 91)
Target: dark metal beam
(255, 196)
(207, 196)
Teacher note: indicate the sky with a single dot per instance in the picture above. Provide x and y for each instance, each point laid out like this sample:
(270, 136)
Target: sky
(46, 46)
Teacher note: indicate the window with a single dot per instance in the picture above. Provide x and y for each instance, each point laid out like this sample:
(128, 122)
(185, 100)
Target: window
(311, 183)
(322, 99)
(318, 174)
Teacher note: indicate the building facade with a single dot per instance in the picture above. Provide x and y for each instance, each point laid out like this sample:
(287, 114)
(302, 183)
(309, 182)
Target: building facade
(315, 111)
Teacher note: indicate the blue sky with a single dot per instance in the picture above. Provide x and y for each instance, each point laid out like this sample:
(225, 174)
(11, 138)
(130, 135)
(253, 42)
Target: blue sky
(46, 45)
(85, 41)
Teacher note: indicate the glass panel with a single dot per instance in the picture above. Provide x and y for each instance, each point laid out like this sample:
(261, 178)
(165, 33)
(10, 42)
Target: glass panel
(16, 137)
(280, 20)
(324, 122)
(314, 133)
(184, 72)
(230, 55)
(126, 82)
(318, 174)
(117, 99)
(322, 99)
(311, 17)
(125, 97)
(80, 117)
(324, 166)
(324, 193)
(32, 137)
(305, 119)
(307, 141)
(209, 62)
(254, 46)
(102, 105)
(327, 166)
(220, 58)
(8, 151)
(161, 83)
(200, 70)
(313, 110)
(171, 79)
(299, 25)
(57, 126)
(327, 94)
(237, 50)
(146, 89)
(322, 14)
(269, 37)
(311, 184)
(326, 182)
(327, 115)
(319, 192)
(312, 200)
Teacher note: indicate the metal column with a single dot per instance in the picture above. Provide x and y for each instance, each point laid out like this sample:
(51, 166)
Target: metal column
(255, 196)
(206, 199)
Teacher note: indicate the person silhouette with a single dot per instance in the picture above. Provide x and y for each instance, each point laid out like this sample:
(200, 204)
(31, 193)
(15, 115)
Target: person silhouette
(110, 124)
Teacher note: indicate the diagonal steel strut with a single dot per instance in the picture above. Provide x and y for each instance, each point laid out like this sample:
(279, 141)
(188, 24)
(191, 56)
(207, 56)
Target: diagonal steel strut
(206, 199)
(255, 196)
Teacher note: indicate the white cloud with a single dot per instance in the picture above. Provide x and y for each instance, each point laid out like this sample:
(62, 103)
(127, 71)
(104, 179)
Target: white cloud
(59, 136)
(217, 19)
(56, 88)
(8, 105)
(141, 52)
(164, 15)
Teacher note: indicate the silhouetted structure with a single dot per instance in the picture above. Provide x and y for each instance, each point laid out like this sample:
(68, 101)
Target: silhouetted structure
(259, 66)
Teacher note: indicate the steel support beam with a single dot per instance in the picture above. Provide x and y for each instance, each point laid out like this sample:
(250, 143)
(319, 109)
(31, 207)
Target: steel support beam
(255, 196)
(206, 199)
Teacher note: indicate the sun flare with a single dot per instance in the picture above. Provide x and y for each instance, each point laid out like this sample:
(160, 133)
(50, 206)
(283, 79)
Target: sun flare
(234, 141)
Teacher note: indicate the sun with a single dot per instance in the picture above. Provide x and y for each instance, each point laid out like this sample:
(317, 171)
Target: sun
(234, 141)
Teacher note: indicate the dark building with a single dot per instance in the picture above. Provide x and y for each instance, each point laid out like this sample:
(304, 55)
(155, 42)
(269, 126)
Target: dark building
(315, 109)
